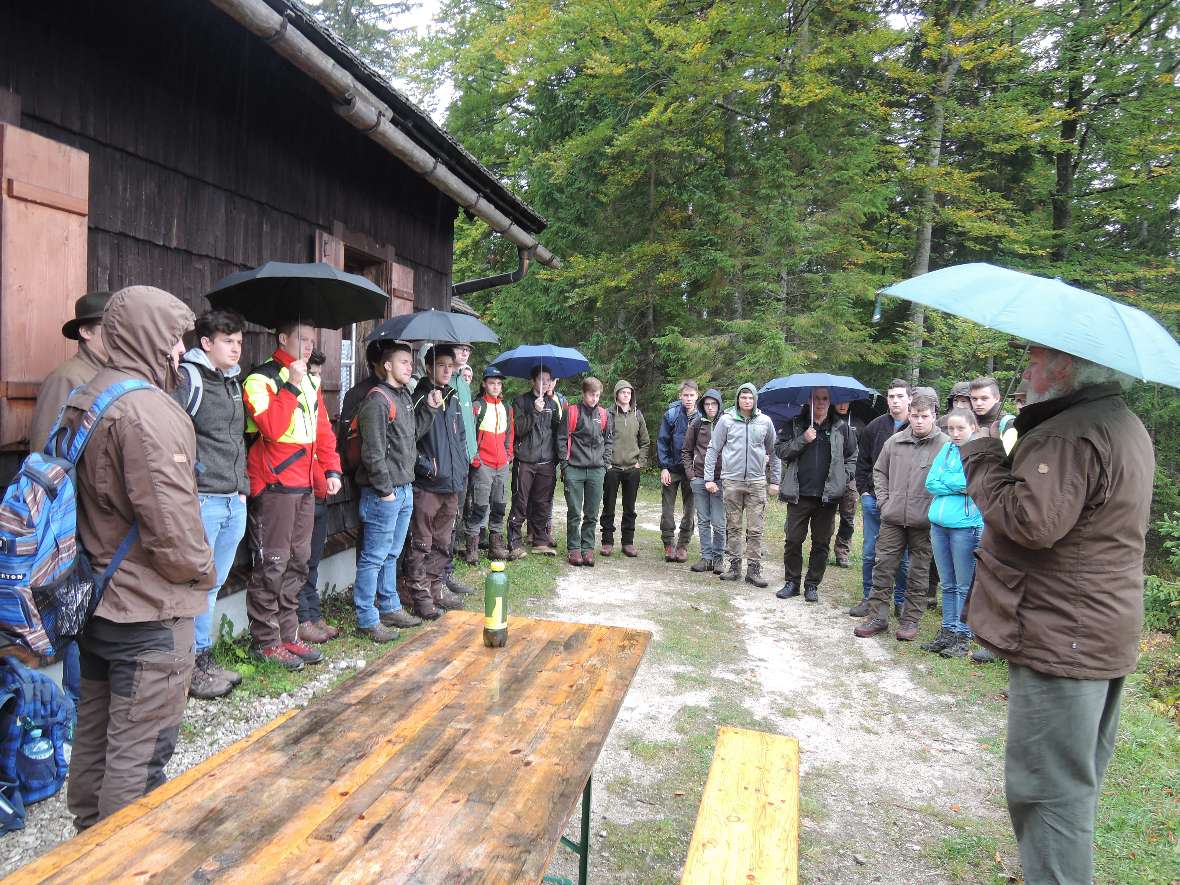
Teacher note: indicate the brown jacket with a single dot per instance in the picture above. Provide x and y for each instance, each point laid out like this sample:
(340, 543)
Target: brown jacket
(56, 388)
(1059, 580)
(899, 476)
(139, 466)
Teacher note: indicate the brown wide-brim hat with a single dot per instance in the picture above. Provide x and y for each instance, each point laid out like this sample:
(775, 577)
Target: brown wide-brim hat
(87, 309)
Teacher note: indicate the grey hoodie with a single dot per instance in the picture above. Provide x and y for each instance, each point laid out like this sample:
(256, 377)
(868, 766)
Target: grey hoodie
(744, 445)
(220, 424)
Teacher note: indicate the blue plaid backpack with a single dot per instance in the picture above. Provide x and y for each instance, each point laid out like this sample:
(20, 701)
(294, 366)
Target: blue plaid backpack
(36, 722)
(47, 588)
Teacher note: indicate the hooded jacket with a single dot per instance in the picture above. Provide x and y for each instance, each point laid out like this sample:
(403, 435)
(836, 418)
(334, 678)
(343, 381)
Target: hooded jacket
(698, 436)
(790, 447)
(868, 449)
(444, 441)
(220, 424)
(56, 389)
(670, 439)
(1059, 573)
(390, 429)
(899, 476)
(631, 437)
(139, 467)
(535, 435)
(743, 447)
(292, 424)
(952, 507)
(587, 444)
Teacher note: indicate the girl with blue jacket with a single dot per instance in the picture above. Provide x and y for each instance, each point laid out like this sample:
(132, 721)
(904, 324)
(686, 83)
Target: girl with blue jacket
(956, 525)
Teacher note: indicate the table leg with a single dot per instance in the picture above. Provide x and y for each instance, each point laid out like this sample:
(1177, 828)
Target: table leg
(582, 850)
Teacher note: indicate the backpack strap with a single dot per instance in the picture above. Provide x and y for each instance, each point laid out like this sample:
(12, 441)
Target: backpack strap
(101, 403)
(602, 418)
(196, 388)
(571, 425)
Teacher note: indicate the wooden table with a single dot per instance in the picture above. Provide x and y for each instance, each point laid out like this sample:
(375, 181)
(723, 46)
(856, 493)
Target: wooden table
(444, 761)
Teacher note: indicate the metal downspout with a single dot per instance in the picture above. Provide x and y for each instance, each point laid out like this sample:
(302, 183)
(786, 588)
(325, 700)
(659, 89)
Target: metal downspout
(502, 279)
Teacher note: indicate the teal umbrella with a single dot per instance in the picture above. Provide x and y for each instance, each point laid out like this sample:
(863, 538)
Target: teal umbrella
(1052, 314)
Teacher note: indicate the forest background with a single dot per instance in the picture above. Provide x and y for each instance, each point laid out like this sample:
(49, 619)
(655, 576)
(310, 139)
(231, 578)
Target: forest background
(730, 182)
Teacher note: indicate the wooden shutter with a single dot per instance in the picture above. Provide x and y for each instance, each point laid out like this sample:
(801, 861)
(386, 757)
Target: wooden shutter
(330, 250)
(401, 289)
(44, 203)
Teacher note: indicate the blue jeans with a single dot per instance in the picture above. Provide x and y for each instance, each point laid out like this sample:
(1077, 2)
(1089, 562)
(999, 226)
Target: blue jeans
(954, 551)
(224, 517)
(872, 522)
(386, 522)
(710, 519)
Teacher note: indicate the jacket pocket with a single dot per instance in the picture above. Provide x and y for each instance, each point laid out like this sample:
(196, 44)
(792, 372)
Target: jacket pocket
(993, 604)
(159, 686)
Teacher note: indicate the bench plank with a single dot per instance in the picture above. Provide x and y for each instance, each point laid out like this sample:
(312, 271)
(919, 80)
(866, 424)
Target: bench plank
(442, 761)
(747, 828)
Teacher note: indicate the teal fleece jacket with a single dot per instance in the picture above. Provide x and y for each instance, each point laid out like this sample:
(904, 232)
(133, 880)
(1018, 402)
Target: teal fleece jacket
(952, 507)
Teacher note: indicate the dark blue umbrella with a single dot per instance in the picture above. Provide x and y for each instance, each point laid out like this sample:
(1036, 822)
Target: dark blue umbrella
(780, 413)
(433, 325)
(560, 362)
(796, 389)
(316, 294)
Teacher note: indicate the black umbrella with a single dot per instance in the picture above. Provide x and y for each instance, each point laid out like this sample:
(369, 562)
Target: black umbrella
(315, 294)
(433, 325)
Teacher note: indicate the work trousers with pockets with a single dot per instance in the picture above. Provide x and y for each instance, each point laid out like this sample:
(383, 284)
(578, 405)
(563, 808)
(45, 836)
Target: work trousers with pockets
(1061, 735)
(134, 685)
(891, 547)
(532, 498)
(430, 543)
(309, 594)
(808, 513)
(626, 480)
(847, 520)
(682, 484)
(583, 497)
(749, 499)
(280, 533)
(487, 498)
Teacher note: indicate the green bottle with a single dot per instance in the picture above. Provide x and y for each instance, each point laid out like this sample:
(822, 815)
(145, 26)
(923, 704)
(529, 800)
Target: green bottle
(495, 607)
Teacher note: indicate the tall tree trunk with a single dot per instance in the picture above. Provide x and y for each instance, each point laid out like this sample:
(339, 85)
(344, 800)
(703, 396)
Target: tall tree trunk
(1066, 159)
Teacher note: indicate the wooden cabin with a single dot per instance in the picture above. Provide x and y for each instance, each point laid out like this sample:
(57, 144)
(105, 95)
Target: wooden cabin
(161, 142)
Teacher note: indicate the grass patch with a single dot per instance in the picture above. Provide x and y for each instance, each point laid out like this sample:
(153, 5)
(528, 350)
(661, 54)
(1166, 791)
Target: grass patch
(970, 857)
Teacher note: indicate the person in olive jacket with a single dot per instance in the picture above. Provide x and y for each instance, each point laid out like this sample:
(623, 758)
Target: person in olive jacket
(1058, 592)
(627, 459)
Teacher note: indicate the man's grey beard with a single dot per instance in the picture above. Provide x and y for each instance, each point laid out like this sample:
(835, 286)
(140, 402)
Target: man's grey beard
(1053, 392)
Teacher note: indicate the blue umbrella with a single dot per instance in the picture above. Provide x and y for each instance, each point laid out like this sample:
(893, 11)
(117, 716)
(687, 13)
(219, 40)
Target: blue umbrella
(560, 362)
(1053, 314)
(780, 413)
(796, 389)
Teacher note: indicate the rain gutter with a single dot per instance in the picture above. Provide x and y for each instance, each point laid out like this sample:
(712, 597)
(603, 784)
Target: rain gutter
(367, 113)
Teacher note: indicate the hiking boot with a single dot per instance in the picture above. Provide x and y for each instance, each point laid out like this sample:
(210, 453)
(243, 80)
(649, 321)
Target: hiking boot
(669, 553)
(702, 565)
(427, 613)
(681, 553)
(497, 549)
(983, 656)
(304, 652)
(958, 648)
(445, 599)
(399, 618)
(788, 590)
(861, 610)
(718, 565)
(871, 627)
(309, 631)
(588, 558)
(575, 557)
(907, 633)
(278, 654)
(332, 632)
(517, 553)
(457, 587)
(233, 677)
(944, 638)
(629, 550)
(754, 575)
(378, 633)
(205, 685)
(842, 560)
(735, 571)
(471, 554)
(607, 548)
(810, 592)
(545, 549)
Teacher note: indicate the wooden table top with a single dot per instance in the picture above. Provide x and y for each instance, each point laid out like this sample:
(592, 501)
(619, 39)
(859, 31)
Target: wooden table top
(444, 761)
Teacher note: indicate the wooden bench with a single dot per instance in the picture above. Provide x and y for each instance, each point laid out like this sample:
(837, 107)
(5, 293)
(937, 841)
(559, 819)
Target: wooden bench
(747, 827)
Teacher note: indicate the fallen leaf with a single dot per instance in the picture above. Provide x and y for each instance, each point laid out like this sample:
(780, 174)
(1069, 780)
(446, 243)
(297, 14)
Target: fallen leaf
(678, 793)
(955, 809)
